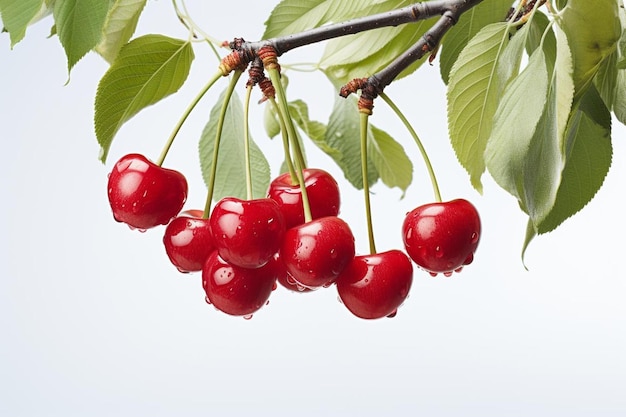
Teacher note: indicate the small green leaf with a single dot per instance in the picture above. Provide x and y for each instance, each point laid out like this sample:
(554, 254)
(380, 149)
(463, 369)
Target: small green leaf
(588, 162)
(342, 134)
(270, 120)
(593, 29)
(119, 27)
(18, 15)
(473, 95)
(470, 23)
(231, 165)
(316, 131)
(79, 24)
(390, 159)
(146, 70)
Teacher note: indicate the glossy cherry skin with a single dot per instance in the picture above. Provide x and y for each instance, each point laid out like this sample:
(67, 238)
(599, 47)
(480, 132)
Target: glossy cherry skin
(234, 290)
(188, 241)
(374, 286)
(322, 191)
(315, 253)
(247, 233)
(285, 279)
(143, 194)
(442, 237)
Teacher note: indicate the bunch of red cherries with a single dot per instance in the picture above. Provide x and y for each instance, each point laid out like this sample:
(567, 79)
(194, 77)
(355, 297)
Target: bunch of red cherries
(243, 248)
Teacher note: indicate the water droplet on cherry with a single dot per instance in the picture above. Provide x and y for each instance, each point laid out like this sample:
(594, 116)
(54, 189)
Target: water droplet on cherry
(247, 316)
(393, 314)
(206, 298)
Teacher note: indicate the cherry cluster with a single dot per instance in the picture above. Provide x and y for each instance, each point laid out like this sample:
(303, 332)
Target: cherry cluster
(243, 248)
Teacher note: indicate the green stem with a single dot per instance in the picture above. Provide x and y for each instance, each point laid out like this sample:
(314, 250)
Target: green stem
(293, 139)
(246, 142)
(216, 145)
(186, 114)
(418, 142)
(366, 186)
(285, 140)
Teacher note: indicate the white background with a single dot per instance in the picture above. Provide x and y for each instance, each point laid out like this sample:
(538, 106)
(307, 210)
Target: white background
(95, 321)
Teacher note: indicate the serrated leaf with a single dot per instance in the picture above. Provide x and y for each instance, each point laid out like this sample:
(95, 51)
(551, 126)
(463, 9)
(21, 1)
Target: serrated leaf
(593, 29)
(342, 134)
(507, 152)
(146, 70)
(316, 131)
(230, 178)
(390, 159)
(270, 120)
(470, 23)
(587, 164)
(473, 95)
(119, 27)
(79, 25)
(18, 15)
(293, 16)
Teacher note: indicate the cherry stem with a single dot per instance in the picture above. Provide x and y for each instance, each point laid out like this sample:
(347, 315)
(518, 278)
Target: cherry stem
(366, 186)
(285, 140)
(293, 139)
(246, 142)
(418, 142)
(216, 146)
(185, 115)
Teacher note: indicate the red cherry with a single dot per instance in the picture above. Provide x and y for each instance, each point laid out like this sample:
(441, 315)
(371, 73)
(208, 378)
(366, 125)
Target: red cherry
(234, 290)
(143, 194)
(285, 279)
(322, 191)
(374, 286)
(188, 241)
(247, 233)
(442, 237)
(315, 253)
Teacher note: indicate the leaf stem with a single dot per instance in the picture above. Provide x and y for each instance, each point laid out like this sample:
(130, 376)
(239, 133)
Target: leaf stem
(216, 145)
(418, 142)
(366, 187)
(185, 115)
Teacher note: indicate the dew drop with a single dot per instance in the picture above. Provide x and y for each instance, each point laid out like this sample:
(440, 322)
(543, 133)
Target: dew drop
(474, 237)
(247, 316)
(327, 285)
(267, 302)
(432, 274)
(206, 298)
(459, 269)
(393, 314)
(182, 271)
(274, 286)
(438, 252)
(447, 274)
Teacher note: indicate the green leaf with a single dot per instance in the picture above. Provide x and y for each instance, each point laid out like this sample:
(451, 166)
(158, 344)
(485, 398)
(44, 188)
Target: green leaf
(390, 159)
(507, 152)
(588, 162)
(270, 120)
(473, 95)
(119, 27)
(146, 70)
(293, 16)
(231, 165)
(593, 29)
(18, 15)
(470, 23)
(79, 24)
(316, 131)
(342, 134)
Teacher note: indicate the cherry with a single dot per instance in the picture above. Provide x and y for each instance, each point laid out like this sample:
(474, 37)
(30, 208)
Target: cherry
(143, 194)
(285, 279)
(315, 253)
(322, 191)
(188, 241)
(374, 286)
(247, 233)
(234, 290)
(442, 237)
